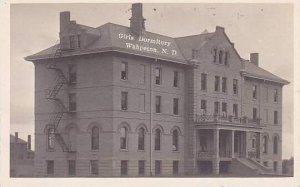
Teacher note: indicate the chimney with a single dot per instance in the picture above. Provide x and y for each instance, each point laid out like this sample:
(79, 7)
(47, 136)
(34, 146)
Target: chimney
(16, 137)
(29, 142)
(220, 29)
(137, 22)
(254, 58)
(64, 20)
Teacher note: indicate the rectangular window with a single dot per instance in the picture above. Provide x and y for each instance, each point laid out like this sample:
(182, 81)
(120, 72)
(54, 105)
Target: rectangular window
(254, 92)
(226, 58)
(94, 167)
(124, 167)
(142, 103)
(203, 107)
(158, 104)
(275, 117)
(235, 86)
(254, 113)
(224, 109)
(72, 167)
(124, 70)
(203, 81)
(275, 95)
(142, 78)
(215, 55)
(72, 102)
(217, 83)
(266, 116)
(176, 79)
(158, 76)
(157, 167)
(175, 167)
(175, 106)
(50, 167)
(221, 57)
(72, 69)
(141, 166)
(124, 100)
(265, 163)
(79, 41)
(217, 108)
(266, 94)
(72, 42)
(224, 84)
(235, 110)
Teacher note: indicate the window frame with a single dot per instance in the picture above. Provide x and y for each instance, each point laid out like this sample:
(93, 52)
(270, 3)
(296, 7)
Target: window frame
(157, 167)
(175, 140)
(141, 139)
(124, 71)
(176, 79)
(157, 139)
(175, 106)
(71, 167)
(217, 84)
(124, 139)
(50, 139)
(72, 104)
(275, 117)
(95, 138)
(254, 92)
(141, 167)
(124, 101)
(50, 170)
(203, 81)
(158, 104)
(72, 72)
(235, 87)
(224, 85)
(124, 167)
(158, 75)
(175, 167)
(94, 167)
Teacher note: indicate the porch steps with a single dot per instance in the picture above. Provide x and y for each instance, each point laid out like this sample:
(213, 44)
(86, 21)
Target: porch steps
(253, 166)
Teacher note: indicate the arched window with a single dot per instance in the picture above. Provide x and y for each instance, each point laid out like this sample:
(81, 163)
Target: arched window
(265, 144)
(175, 140)
(275, 145)
(50, 138)
(95, 138)
(123, 138)
(157, 139)
(141, 139)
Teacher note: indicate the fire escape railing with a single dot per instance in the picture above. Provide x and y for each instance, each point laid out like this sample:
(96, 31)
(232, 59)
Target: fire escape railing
(51, 94)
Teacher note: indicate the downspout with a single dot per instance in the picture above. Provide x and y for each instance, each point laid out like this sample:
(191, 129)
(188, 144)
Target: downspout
(151, 114)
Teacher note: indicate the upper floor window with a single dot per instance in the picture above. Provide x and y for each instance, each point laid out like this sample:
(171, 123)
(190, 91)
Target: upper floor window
(158, 104)
(220, 57)
(175, 140)
(275, 145)
(265, 144)
(157, 139)
(226, 58)
(235, 110)
(224, 84)
(142, 103)
(142, 78)
(235, 86)
(254, 113)
(217, 83)
(95, 138)
(51, 138)
(141, 139)
(275, 95)
(176, 79)
(215, 55)
(203, 81)
(266, 116)
(124, 70)
(72, 102)
(254, 91)
(275, 117)
(158, 76)
(175, 106)
(123, 138)
(124, 100)
(224, 109)
(203, 107)
(72, 68)
(217, 108)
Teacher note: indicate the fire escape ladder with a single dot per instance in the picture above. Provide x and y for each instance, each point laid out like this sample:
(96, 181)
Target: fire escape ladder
(51, 94)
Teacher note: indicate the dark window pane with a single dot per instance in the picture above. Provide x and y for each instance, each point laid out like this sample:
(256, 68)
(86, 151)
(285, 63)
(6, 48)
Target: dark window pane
(175, 167)
(157, 167)
(158, 104)
(124, 100)
(141, 166)
(94, 167)
(175, 141)
(50, 166)
(95, 138)
(72, 167)
(141, 139)
(124, 167)
(72, 102)
(175, 106)
(203, 81)
(157, 139)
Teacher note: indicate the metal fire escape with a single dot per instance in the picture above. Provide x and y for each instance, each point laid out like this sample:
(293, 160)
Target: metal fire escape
(51, 95)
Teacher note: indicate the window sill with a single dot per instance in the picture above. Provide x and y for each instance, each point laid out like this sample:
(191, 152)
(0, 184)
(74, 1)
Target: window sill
(123, 150)
(142, 151)
(177, 151)
(95, 150)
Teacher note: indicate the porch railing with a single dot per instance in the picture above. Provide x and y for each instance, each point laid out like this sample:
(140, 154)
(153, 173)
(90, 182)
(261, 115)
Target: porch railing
(200, 119)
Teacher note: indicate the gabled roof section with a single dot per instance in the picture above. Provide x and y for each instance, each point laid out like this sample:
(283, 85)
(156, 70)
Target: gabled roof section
(254, 71)
(13, 140)
(188, 43)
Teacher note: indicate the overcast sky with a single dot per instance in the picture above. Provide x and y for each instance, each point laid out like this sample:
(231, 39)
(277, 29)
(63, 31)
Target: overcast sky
(263, 28)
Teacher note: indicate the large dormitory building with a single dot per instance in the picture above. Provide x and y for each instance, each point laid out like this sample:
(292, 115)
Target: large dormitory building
(122, 101)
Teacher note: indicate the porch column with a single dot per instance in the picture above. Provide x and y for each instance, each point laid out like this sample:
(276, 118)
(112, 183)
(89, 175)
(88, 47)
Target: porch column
(216, 160)
(232, 144)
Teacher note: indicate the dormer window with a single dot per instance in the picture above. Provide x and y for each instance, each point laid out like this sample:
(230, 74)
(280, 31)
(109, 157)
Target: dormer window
(72, 42)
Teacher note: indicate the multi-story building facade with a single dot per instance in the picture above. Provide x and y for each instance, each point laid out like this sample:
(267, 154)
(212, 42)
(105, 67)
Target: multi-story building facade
(119, 101)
